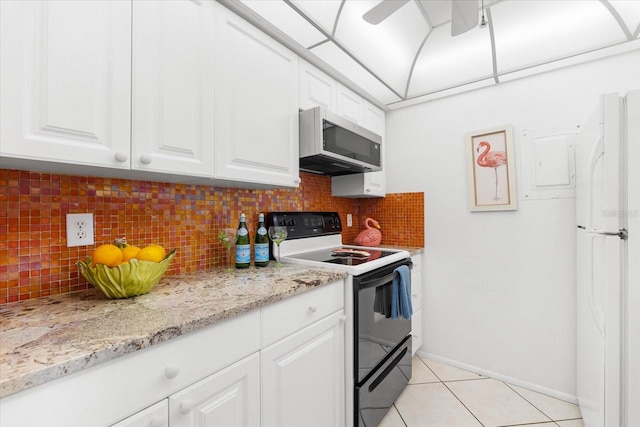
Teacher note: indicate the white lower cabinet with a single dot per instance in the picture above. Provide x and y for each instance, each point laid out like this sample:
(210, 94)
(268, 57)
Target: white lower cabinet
(230, 397)
(303, 380)
(416, 303)
(281, 365)
(154, 416)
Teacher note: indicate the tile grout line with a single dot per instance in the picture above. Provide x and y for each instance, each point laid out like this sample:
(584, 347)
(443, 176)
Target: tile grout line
(400, 414)
(527, 400)
(450, 391)
(462, 403)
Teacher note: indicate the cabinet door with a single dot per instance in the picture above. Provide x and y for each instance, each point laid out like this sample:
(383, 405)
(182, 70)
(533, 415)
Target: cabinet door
(173, 57)
(66, 81)
(154, 416)
(303, 381)
(316, 88)
(256, 105)
(350, 105)
(229, 398)
(416, 302)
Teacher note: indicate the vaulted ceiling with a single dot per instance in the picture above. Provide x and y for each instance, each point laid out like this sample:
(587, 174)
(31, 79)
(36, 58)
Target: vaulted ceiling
(412, 57)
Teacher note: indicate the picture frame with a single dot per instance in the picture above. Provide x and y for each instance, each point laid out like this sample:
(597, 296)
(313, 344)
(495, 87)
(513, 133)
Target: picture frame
(491, 169)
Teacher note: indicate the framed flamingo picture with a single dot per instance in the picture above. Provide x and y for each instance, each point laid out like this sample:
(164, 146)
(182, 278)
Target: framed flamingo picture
(491, 164)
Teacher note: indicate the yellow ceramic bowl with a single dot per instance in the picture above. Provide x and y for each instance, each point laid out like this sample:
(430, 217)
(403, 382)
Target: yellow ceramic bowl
(128, 279)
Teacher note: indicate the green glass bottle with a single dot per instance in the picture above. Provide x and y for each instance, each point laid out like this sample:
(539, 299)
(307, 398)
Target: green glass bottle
(261, 244)
(243, 245)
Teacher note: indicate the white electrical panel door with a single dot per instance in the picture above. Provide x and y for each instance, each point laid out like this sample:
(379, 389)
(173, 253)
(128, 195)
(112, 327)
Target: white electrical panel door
(547, 165)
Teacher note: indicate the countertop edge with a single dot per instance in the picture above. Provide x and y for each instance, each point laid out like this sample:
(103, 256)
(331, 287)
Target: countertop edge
(111, 351)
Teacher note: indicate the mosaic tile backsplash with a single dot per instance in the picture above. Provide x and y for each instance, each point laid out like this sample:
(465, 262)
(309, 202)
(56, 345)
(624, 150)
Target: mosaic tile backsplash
(35, 260)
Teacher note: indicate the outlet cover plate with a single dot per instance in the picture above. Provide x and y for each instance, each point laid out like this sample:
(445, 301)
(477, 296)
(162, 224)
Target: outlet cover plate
(79, 229)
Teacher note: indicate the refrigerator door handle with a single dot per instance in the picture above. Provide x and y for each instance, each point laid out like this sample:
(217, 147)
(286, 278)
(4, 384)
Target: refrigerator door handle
(596, 154)
(597, 313)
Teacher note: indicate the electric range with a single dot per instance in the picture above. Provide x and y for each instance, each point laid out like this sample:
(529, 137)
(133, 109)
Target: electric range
(314, 238)
(377, 344)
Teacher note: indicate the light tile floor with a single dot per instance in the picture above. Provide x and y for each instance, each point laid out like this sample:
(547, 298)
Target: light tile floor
(439, 395)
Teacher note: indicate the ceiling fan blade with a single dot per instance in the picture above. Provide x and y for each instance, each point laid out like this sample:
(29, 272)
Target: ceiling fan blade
(382, 11)
(464, 16)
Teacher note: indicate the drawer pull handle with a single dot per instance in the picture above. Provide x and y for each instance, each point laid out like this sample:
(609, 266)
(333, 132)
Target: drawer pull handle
(121, 157)
(313, 308)
(172, 371)
(157, 422)
(145, 159)
(186, 407)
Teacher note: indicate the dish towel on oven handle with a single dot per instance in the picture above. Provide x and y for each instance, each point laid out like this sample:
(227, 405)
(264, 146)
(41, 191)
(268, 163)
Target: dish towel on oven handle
(401, 294)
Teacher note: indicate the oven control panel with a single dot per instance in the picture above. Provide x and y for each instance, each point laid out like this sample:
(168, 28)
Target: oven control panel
(306, 224)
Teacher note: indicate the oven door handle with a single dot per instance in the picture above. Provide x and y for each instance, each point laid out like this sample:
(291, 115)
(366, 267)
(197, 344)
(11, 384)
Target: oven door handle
(379, 281)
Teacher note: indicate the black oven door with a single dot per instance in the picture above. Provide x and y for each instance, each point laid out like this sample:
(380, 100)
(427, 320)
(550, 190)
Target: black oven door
(375, 396)
(376, 334)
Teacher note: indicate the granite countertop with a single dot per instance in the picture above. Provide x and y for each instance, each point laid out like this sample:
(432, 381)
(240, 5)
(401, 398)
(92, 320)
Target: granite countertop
(413, 250)
(49, 337)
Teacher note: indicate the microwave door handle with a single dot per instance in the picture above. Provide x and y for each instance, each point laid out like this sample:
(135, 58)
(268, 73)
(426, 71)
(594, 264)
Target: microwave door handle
(379, 281)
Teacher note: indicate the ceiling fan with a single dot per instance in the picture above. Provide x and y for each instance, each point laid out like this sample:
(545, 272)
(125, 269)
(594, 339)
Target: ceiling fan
(464, 14)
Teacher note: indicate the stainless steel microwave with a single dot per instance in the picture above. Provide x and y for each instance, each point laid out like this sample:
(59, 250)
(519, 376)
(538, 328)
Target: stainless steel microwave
(331, 145)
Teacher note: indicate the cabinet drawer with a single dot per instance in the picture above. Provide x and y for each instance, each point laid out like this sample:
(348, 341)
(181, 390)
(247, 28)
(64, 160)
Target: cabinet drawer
(285, 317)
(117, 389)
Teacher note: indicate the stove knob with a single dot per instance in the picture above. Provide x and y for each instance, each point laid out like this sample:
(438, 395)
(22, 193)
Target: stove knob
(283, 222)
(292, 222)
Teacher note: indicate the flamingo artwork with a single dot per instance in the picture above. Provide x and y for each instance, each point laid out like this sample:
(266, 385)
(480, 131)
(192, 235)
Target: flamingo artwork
(371, 235)
(491, 159)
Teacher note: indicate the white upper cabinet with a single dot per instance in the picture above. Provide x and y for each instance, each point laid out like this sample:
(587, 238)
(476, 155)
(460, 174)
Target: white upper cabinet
(316, 88)
(256, 105)
(350, 105)
(65, 81)
(373, 118)
(173, 87)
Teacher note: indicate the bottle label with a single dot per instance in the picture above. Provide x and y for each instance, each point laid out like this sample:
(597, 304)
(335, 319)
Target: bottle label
(243, 254)
(262, 231)
(262, 252)
(242, 231)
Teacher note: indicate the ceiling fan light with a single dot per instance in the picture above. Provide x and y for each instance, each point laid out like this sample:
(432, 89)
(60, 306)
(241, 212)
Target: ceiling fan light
(483, 22)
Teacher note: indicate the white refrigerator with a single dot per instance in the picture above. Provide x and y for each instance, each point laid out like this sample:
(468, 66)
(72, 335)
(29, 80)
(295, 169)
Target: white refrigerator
(608, 263)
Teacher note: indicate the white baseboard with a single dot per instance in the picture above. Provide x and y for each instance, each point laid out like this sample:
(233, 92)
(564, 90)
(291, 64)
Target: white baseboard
(504, 378)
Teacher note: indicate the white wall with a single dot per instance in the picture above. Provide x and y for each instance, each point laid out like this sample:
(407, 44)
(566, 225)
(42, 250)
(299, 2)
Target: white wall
(516, 322)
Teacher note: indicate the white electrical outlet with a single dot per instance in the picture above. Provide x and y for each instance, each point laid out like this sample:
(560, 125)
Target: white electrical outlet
(349, 220)
(79, 229)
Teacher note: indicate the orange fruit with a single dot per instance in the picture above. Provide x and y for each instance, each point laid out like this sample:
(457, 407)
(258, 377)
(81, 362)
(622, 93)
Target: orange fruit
(129, 252)
(109, 255)
(155, 253)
